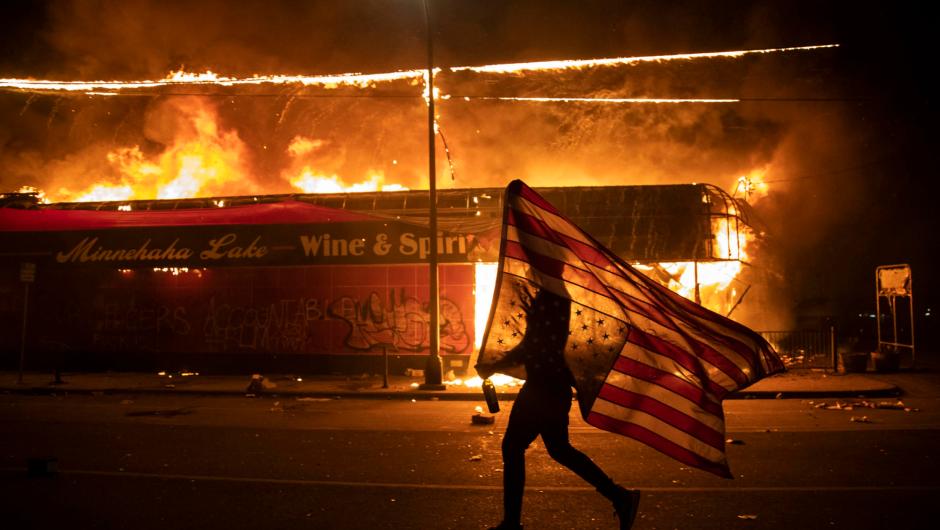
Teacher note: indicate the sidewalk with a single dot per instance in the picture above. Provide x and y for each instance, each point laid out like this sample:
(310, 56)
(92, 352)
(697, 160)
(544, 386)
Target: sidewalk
(792, 384)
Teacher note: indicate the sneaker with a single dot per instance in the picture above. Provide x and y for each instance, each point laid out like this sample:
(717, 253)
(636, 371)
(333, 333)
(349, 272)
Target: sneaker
(626, 505)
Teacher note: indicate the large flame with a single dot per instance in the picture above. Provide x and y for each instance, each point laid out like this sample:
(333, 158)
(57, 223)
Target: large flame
(302, 175)
(203, 159)
(310, 182)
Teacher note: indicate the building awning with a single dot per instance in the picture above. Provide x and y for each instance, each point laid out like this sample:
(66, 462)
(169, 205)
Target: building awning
(287, 212)
(280, 233)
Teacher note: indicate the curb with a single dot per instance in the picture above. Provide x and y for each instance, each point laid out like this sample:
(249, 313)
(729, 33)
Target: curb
(431, 395)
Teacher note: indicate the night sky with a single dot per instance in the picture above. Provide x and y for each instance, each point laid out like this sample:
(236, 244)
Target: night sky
(846, 135)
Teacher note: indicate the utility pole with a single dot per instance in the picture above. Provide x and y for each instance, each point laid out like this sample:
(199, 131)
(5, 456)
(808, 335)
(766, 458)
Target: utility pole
(433, 371)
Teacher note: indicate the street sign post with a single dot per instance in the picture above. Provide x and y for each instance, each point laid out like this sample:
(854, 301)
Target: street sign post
(27, 276)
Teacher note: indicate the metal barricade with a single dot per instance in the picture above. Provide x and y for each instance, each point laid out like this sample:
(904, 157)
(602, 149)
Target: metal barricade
(804, 348)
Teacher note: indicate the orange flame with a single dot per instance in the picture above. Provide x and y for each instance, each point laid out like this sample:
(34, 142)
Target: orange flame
(203, 160)
(304, 177)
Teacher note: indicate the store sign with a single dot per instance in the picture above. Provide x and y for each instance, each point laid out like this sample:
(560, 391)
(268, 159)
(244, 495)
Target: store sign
(360, 242)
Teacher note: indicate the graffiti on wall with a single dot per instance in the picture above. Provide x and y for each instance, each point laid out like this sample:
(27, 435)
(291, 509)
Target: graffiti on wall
(401, 324)
(129, 325)
(281, 326)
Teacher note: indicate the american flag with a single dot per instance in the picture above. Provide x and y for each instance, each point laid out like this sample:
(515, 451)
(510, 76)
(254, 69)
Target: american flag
(647, 363)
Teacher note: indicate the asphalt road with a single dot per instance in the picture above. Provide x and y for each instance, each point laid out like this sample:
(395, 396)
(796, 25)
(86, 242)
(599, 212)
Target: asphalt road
(160, 462)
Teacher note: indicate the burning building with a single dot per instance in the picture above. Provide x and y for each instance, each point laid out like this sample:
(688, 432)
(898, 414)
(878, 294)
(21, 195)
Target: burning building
(215, 228)
(319, 282)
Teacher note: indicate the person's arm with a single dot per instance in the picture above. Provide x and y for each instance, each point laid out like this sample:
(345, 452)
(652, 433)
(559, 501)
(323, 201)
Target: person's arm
(512, 358)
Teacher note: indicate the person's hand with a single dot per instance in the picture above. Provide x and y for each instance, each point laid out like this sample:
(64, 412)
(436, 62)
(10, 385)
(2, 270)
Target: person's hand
(484, 370)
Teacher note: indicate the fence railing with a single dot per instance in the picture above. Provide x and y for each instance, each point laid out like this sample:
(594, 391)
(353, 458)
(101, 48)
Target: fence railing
(805, 348)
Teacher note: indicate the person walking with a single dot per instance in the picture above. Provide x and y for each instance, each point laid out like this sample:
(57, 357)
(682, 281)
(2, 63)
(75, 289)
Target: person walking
(542, 408)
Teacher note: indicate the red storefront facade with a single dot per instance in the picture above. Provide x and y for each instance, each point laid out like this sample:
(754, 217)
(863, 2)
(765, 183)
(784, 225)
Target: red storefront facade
(301, 288)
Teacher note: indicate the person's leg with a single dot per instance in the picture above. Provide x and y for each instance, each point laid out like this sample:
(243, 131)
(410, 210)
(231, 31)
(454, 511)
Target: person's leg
(520, 433)
(559, 447)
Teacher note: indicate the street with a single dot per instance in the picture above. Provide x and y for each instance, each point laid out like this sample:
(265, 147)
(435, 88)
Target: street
(148, 461)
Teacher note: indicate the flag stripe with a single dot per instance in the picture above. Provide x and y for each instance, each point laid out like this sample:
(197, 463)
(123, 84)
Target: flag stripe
(666, 397)
(530, 195)
(667, 311)
(713, 325)
(556, 222)
(687, 425)
(659, 443)
(600, 303)
(686, 359)
(670, 382)
(517, 249)
(544, 263)
(538, 227)
(657, 424)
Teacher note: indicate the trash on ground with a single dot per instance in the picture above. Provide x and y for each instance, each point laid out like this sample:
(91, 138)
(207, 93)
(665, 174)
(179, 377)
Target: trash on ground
(476, 458)
(888, 405)
(863, 404)
(860, 419)
(748, 516)
(255, 386)
(734, 441)
(482, 419)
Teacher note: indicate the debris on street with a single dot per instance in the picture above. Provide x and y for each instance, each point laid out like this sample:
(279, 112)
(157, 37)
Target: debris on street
(482, 419)
(255, 386)
(863, 404)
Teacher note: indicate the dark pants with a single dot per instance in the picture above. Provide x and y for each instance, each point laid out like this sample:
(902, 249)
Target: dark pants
(543, 410)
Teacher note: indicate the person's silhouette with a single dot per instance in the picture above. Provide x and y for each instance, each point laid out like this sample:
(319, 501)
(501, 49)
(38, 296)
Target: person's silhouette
(542, 408)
